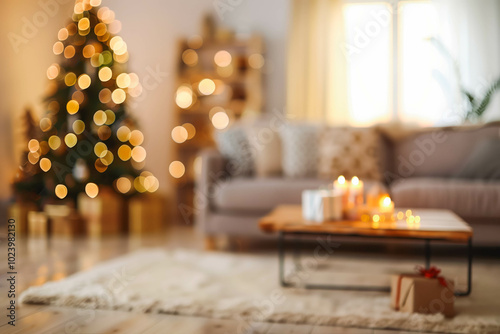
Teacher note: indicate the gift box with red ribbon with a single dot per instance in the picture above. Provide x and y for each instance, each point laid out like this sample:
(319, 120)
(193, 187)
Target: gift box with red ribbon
(424, 291)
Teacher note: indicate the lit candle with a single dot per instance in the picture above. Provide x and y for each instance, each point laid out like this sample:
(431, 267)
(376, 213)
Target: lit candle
(341, 184)
(356, 191)
(386, 205)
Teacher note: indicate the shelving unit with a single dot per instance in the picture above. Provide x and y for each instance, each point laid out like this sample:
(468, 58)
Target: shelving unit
(219, 80)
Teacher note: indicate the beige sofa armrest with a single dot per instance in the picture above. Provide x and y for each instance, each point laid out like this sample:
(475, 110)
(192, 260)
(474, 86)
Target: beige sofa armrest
(213, 171)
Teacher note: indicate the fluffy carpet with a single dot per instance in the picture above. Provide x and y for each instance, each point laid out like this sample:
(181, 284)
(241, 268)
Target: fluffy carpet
(245, 288)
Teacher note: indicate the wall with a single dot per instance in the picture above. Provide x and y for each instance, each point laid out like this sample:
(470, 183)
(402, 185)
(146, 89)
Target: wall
(151, 29)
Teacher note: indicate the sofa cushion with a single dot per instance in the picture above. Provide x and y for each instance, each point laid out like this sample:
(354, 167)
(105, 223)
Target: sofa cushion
(483, 163)
(467, 198)
(234, 146)
(260, 196)
(350, 152)
(300, 150)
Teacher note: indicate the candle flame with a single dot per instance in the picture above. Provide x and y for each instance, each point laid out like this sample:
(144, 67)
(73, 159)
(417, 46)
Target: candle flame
(386, 201)
(341, 179)
(355, 180)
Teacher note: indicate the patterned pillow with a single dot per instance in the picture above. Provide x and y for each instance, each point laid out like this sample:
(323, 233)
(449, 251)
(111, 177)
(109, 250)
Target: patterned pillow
(234, 146)
(350, 152)
(300, 150)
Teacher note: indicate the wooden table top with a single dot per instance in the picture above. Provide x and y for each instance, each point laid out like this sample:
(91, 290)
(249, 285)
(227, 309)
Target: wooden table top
(434, 224)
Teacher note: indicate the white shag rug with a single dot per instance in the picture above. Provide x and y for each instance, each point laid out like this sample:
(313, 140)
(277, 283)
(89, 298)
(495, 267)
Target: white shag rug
(246, 288)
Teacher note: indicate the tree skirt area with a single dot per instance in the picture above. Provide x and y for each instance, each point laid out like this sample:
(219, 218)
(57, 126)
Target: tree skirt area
(246, 288)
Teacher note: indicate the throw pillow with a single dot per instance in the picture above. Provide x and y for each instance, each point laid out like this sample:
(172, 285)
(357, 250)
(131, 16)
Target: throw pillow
(234, 146)
(300, 150)
(350, 152)
(266, 148)
(483, 163)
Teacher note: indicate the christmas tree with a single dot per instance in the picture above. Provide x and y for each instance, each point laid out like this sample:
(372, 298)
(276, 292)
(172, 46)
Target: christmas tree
(86, 139)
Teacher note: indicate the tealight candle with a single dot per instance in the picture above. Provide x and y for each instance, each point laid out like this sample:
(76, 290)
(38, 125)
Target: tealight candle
(356, 191)
(386, 204)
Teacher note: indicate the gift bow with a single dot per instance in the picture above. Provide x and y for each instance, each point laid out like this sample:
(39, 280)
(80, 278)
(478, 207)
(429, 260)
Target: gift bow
(432, 272)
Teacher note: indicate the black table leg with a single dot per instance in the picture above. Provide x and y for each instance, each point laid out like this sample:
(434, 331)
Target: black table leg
(427, 253)
(469, 271)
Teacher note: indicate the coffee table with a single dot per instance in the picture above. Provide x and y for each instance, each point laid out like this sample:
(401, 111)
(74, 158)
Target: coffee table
(435, 225)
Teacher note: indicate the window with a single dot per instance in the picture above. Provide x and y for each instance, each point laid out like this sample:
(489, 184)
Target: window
(393, 68)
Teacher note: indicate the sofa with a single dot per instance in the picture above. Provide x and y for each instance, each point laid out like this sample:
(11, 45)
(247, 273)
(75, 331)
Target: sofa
(419, 170)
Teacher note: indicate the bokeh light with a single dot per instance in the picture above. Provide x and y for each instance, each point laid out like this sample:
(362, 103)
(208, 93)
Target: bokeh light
(184, 97)
(61, 191)
(33, 145)
(45, 164)
(223, 58)
(256, 61)
(176, 169)
(136, 138)
(70, 140)
(190, 57)
(45, 124)
(100, 117)
(220, 120)
(118, 96)
(78, 126)
(100, 149)
(138, 154)
(123, 133)
(124, 152)
(92, 190)
(179, 134)
(105, 74)
(123, 185)
(206, 86)
(191, 130)
(54, 142)
(72, 107)
(84, 81)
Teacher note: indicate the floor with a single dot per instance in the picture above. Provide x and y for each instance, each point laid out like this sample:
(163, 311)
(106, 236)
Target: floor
(42, 260)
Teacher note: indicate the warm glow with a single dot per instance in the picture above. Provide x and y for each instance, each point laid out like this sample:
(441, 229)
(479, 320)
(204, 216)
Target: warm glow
(385, 201)
(123, 133)
(33, 157)
(100, 149)
(88, 51)
(84, 23)
(70, 79)
(179, 134)
(104, 132)
(176, 169)
(123, 185)
(70, 140)
(91, 189)
(45, 124)
(58, 48)
(408, 213)
(138, 153)
(69, 51)
(110, 117)
(184, 97)
(105, 95)
(190, 57)
(417, 219)
(84, 81)
(223, 58)
(33, 145)
(355, 180)
(78, 96)
(95, 3)
(341, 179)
(118, 96)
(45, 164)
(220, 120)
(256, 61)
(124, 152)
(191, 130)
(105, 74)
(107, 158)
(100, 117)
(136, 138)
(54, 142)
(53, 71)
(206, 86)
(61, 191)
(400, 215)
(123, 80)
(72, 107)
(62, 34)
(376, 218)
(78, 126)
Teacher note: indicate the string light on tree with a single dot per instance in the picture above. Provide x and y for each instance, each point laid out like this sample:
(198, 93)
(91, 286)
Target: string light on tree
(86, 112)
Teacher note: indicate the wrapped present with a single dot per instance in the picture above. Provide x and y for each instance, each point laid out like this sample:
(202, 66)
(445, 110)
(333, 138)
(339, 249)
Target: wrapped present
(146, 214)
(37, 224)
(104, 214)
(64, 220)
(19, 212)
(423, 292)
(321, 205)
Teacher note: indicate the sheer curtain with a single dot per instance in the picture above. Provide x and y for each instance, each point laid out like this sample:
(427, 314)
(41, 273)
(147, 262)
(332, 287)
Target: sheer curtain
(316, 66)
(470, 31)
